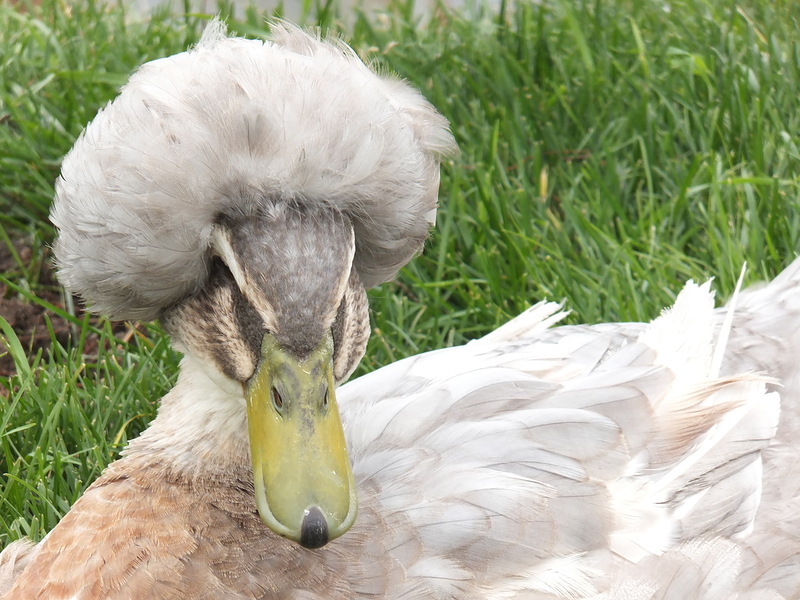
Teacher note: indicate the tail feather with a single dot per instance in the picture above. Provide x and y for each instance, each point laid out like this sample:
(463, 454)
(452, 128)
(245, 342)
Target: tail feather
(766, 337)
(700, 472)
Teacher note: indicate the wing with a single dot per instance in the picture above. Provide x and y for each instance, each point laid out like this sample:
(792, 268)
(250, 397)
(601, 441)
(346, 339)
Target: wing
(541, 461)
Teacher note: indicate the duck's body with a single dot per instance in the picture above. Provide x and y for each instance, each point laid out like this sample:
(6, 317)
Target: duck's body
(575, 462)
(610, 461)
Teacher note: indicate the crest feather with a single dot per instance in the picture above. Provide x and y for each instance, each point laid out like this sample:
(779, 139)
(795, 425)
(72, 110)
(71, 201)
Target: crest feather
(223, 127)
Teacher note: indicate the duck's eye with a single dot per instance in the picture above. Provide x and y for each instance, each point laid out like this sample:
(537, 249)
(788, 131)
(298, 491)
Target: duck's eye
(325, 398)
(277, 400)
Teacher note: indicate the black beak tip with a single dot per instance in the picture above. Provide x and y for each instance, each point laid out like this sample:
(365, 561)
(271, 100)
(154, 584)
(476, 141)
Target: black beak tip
(314, 530)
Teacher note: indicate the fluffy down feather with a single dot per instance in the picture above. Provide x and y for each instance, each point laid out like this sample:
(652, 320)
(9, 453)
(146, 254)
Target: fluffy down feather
(219, 129)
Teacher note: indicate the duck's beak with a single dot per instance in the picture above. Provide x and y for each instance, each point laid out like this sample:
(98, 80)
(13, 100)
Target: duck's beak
(304, 485)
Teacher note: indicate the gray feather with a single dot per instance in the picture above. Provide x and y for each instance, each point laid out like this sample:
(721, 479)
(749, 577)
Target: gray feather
(222, 127)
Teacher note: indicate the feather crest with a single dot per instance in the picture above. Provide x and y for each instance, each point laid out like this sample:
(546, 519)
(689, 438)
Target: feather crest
(223, 127)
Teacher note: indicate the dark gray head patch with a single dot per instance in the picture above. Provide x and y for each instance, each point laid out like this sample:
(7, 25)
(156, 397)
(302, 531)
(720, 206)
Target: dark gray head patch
(298, 260)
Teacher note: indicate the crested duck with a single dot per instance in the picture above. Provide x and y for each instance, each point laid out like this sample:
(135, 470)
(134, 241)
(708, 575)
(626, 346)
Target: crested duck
(247, 193)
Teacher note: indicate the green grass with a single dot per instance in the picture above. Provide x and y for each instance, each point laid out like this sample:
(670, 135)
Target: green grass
(609, 152)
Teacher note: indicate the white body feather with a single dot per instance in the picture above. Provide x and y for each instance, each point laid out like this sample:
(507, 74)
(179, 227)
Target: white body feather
(553, 463)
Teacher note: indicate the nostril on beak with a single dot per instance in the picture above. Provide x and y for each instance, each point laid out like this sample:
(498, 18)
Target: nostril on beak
(314, 530)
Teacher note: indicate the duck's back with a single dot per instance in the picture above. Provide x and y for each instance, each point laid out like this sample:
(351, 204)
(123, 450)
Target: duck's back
(578, 461)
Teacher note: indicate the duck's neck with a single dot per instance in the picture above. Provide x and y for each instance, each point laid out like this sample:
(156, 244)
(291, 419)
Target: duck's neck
(201, 426)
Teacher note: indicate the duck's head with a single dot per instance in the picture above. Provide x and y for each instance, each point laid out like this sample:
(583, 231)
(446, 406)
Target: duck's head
(248, 193)
(284, 313)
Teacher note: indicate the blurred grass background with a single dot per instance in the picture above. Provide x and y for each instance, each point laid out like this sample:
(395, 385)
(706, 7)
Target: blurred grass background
(610, 150)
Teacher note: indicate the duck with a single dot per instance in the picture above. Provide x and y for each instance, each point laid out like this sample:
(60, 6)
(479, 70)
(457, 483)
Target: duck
(247, 193)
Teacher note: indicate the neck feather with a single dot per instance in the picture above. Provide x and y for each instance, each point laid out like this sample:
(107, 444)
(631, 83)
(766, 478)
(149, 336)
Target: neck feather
(201, 425)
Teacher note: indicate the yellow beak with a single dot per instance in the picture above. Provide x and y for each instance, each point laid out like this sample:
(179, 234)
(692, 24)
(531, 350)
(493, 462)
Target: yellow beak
(304, 485)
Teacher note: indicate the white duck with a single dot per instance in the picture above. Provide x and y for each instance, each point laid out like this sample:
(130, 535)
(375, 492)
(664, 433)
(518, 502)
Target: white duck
(246, 193)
